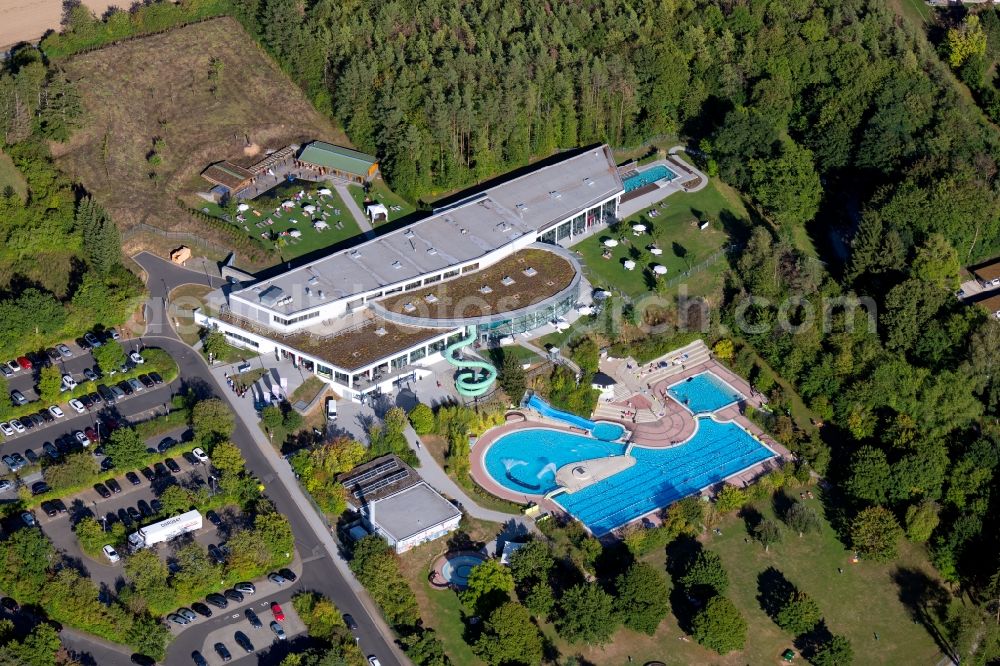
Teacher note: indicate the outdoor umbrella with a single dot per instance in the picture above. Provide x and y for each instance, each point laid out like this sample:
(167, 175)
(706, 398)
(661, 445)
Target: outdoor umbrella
(655, 250)
(242, 207)
(629, 265)
(325, 192)
(659, 270)
(294, 233)
(309, 208)
(639, 227)
(610, 242)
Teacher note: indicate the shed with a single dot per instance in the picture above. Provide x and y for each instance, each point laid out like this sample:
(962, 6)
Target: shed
(230, 176)
(180, 255)
(338, 161)
(602, 381)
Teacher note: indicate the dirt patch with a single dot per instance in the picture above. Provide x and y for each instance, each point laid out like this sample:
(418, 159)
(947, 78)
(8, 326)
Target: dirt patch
(152, 109)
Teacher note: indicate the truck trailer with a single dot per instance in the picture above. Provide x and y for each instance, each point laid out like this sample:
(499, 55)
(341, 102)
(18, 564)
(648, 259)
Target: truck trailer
(165, 530)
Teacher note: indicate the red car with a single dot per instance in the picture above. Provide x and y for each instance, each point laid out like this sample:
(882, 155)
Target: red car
(279, 614)
(24, 362)
(91, 434)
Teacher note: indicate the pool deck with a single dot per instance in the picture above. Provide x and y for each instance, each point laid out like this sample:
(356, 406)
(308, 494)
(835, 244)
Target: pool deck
(668, 424)
(689, 179)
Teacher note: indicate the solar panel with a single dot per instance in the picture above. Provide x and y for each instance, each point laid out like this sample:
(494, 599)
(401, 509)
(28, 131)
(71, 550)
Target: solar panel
(378, 470)
(382, 483)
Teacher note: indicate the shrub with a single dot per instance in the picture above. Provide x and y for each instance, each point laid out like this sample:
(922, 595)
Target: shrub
(422, 419)
(719, 626)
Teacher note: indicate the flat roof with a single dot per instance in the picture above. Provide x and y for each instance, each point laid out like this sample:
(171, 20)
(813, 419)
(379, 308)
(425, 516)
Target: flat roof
(411, 511)
(459, 234)
(520, 280)
(989, 271)
(330, 156)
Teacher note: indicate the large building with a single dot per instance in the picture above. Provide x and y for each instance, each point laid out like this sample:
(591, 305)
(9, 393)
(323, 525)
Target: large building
(367, 317)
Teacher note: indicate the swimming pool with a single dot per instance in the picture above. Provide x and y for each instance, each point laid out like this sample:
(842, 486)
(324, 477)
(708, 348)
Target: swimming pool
(604, 430)
(526, 460)
(704, 393)
(651, 175)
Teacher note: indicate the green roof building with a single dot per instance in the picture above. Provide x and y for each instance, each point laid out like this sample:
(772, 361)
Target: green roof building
(345, 163)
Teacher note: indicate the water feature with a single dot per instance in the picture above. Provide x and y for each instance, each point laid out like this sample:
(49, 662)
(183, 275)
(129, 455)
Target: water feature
(603, 430)
(650, 175)
(457, 568)
(704, 393)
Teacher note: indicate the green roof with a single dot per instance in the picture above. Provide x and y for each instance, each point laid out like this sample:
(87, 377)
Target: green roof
(330, 156)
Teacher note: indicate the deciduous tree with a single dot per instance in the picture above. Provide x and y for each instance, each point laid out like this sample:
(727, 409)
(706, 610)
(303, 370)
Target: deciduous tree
(642, 597)
(875, 534)
(510, 637)
(587, 615)
(719, 626)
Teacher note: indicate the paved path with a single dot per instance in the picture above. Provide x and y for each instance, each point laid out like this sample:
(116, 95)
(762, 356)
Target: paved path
(356, 212)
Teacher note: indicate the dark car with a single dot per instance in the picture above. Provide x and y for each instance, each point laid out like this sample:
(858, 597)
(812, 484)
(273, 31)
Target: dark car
(155, 376)
(201, 609)
(46, 416)
(53, 354)
(243, 641)
(37, 359)
(89, 375)
(86, 401)
(148, 473)
(349, 622)
(233, 595)
(123, 385)
(253, 619)
(125, 517)
(216, 554)
(223, 652)
(106, 393)
(31, 456)
(134, 514)
(50, 450)
(288, 575)
(39, 487)
(106, 465)
(172, 465)
(96, 398)
(9, 604)
(102, 490)
(146, 381)
(217, 600)
(82, 343)
(160, 469)
(143, 660)
(144, 508)
(198, 659)
(166, 443)
(132, 478)
(59, 505)
(49, 509)
(113, 486)
(213, 518)
(157, 505)
(189, 458)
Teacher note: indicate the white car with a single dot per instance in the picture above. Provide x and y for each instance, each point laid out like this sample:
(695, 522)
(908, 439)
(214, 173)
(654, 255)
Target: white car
(65, 351)
(69, 382)
(16, 425)
(6, 429)
(56, 412)
(111, 554)
(77, 406)
(200, 455)
(373, 660)
(136, 358)
(80, 437)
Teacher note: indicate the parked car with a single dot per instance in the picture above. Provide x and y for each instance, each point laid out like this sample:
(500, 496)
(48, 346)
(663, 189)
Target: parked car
(77, 406)
(9, 604)
(156, 505)
(89, 375)
(223, 652)
(217, 600)
(106, 393)
(146, 381)
(19, 460)
(8, 460)
(188, 613)
(245, 588)
(5, 369)
(189, 458)
(233, 595)
(213, 517)
(102, 490)
(373, 660)
(288, 575)
(277, 579)
(113, 486)
(161, 470)
(200, 455)
(134, 514)
(144, 508)
(9, 432)
(155, 376)
(278, 630)
(53, 354)
(136, 385)
(178, 619)
(198, 659)
(201, 609)
(172, 465)
(31, 456)
(95, 398)
(124, 387)
(349, 622)
(17, 425)
(5, 485)
(46, 416)
(279, 614)
(112, 334)
(39, 487)
(59, 505)
(92, 340)
(18, 398)
(91, 434)
(253, 619)
(64, 351)
(165, 444)
(148, 473)
(56, 411)
(24, 363)
(136, 358)
(111, 554)
(132, 478)
(68, 382)
(49, 509)
(50, 450)
(28, 519)
(116, 394)
(243, 641)
(123, 515)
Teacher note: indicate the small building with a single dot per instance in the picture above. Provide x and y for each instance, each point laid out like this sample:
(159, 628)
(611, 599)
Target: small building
(991, 303)
(180, 255)
(395, 503)
(328, 159)
(602, 381)
(377, 212)
(232, 178)
(988, 274)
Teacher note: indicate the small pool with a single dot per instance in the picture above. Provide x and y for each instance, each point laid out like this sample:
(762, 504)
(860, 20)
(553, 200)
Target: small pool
(604, 430)
(704, 393)
(526, 461)
(651, 175)
(456, 569)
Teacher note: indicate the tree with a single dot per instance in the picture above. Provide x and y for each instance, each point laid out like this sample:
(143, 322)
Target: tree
(921, 520)
(6, 406)
(966, 41)
(511, 377)
(875, 533)
(91, 536)
(723, 349)
(489, 585)
(196, 571)
(787, 188)
(228, 459)
(936, 263)
(835, 652)
(719, 626)
(767, 533)
(50, 384)
(586, 354)
(539, 600)
(870, 476)
(587, 614)
(76, 469)
(422, 419)
(274, 533)
(125, 448)
(799, 614)
(706, 575)
(642, 597)
(214, 344)
(175, 500)
(390, 436)
(109, 357)
(532, 562)
(213, 422)
(801, 518)
(101, 240)
(271, 417)
(510, 637)
(292, 420)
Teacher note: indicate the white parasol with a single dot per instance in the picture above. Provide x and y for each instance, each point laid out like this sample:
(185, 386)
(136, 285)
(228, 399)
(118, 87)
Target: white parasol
(629, 265)
(659, 270)
(610, 242)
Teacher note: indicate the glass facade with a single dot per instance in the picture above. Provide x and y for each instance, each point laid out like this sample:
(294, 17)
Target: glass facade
(601, 215)
(527, 322)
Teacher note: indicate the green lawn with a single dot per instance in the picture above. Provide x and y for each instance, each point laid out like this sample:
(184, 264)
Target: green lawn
(11, 177)
(675, 231)
(380, 192)
(523, 354)
(342, 224)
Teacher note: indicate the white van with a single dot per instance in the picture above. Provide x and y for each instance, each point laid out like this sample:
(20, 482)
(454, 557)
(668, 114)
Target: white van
(331, 409)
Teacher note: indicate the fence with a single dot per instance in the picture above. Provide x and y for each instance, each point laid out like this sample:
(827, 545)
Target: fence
(182, 236)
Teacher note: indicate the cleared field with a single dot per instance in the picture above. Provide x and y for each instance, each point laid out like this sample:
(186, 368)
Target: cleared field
(11, 177)
(194, 95)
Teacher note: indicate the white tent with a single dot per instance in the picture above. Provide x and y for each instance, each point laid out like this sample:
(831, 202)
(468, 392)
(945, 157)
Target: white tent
(629, 265)
(294, 233)
(655, 250)
(375, 211)
(320, 225)
(324, 191)
(242, 207)
(507, 340)
(288, 204)
(659, 270)
(610, 242)
(309, 208)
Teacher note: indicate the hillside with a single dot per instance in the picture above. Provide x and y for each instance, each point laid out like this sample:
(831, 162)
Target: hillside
(160, 90)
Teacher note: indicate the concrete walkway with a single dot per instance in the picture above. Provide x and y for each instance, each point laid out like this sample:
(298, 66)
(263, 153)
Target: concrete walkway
(356, 212)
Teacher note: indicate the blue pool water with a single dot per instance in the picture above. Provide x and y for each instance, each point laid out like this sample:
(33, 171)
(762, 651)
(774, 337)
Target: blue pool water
(606, 431)
(704, 393)
(651, 175)
(456, 570)
(526, 460)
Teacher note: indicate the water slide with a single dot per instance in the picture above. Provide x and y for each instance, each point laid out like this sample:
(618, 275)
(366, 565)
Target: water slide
(470, 383)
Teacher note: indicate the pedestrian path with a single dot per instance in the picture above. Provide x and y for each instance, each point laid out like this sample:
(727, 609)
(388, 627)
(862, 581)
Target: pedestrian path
(355, 210)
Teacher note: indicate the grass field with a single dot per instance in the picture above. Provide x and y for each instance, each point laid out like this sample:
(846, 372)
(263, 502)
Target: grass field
(158, 88)
(675, 231)
(11, 177)
(266, 207)
(184, 299)
(379, 191)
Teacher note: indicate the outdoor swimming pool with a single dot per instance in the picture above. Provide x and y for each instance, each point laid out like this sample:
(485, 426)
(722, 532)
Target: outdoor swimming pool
(651, 175)
(604, 430)
(526, 460)
(704, 393)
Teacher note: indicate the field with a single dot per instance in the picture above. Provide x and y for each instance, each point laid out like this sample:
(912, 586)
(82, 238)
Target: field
(864, 601)
(11, 177)
(675, 231)
(380, 192)
(158, 94)
(341, 224)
